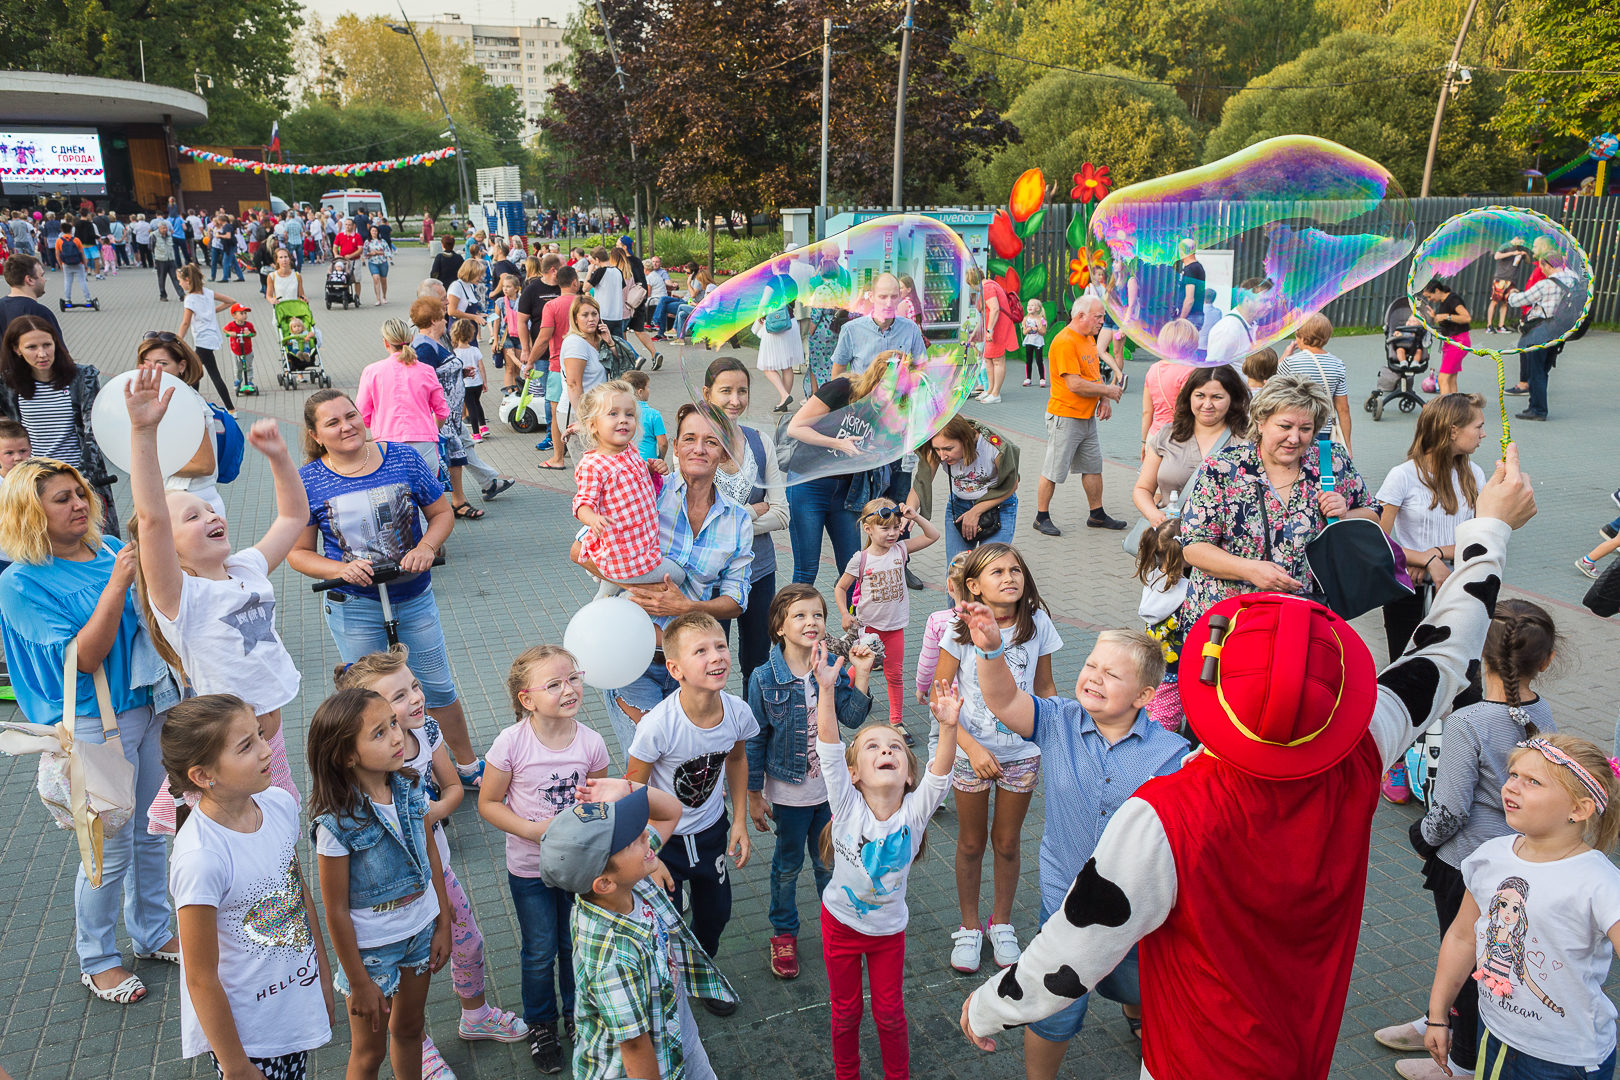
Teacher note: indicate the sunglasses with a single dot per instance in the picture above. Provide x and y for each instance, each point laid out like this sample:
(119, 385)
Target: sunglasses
(159, 335)
(885, 514)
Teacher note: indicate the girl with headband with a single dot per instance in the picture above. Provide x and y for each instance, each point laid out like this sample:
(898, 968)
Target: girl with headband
(1541, 920)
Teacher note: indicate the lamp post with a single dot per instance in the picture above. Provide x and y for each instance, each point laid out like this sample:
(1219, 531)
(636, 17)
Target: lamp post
(449, 121)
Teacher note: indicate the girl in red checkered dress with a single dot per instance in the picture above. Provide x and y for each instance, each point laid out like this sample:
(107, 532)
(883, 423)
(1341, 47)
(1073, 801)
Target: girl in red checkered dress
(615, 500)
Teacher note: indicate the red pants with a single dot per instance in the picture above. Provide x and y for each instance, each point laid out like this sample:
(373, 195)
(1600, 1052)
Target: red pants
(894, 667)
(842, 949)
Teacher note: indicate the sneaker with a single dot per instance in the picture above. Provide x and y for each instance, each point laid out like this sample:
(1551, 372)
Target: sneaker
(544, 1049)
(1517, 391)
(1586, 566)
(1099, 519)
(1026, 382)
(543, 444)
(1607, 532)
(905, 735)
(990, 399)
(496, 486)
(1615, 495)
(570, 1029)
(477, 438)
(1403, 1037)
(658, 360)
(472, 776)
(1529, 415)
(1394, 786)
(1045, 525)
(1043, 382)
(785, 956)
(434, 1066)
(967, 943)
(484, 431)
(718, 1007)
(499, 1025)
(1004, 944)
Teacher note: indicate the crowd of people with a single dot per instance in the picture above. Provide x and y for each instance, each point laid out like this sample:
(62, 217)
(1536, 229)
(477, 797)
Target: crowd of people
(620, 866)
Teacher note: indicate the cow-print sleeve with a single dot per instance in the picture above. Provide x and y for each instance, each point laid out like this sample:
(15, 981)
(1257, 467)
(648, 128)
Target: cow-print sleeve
(1416, 689)
(1121, 895)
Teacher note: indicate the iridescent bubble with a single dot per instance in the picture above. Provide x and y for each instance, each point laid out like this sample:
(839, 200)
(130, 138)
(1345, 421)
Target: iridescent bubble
(1277, 230)
(898, 265)
(1501, 249)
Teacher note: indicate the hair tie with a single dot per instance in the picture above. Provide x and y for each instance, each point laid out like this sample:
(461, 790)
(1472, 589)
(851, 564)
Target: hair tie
(1614, 766)
(1600, 794)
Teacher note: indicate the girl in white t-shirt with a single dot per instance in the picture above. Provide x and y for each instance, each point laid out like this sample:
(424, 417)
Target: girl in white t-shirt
(882, 606)
(247, 919)
(388, 675)
(881, 802)
(532, 773)
(988, 753)
(1034, 327)
(1541, 921)
(212, 612)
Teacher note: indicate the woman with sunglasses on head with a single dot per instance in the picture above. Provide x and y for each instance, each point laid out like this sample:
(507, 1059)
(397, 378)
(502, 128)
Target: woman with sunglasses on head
(42, 388)
(202, 319)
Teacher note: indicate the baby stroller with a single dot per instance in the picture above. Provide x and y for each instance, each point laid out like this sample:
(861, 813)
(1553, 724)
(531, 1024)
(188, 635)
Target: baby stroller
(1397, 381)
(342, 287)
(299, 360)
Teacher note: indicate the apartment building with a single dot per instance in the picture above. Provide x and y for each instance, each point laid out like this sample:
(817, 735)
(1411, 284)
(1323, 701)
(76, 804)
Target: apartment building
(524, 57)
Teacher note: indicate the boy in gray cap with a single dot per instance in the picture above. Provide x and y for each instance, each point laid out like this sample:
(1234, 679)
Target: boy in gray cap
(635, 960)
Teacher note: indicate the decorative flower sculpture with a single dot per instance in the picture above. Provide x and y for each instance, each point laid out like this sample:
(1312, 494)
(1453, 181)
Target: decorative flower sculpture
(1004, 239)
(1028, 192)
(1090, 183)
(1079, 273)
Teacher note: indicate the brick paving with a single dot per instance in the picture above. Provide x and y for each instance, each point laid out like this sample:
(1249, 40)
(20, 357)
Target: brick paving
(508, 585)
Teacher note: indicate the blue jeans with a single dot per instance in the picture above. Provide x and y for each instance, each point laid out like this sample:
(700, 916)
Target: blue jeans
(754, 626)
(1536, 363)
(798, 829)
(954, 544)
(1501, 1062)
(73, 273)
(654, 685)
(681, 312)
(135, 865)
(1123, 985)
(664, 306)
(815, 505)
(357, 627)
(216, 259)
(542, 914)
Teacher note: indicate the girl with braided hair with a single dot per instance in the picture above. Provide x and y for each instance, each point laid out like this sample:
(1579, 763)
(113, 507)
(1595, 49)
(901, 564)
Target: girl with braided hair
(1466, 807)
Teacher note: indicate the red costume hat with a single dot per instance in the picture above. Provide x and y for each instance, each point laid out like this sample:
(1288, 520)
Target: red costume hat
(1284, 690)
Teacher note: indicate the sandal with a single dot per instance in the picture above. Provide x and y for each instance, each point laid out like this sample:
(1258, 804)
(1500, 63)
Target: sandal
(160, 954)
(1135, 1023)
(549, 465)
(127, 992)
(467, 512)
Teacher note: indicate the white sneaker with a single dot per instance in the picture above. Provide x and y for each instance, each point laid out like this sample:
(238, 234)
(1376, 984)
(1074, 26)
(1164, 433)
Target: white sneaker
(990, 399)
(1407, 1038)
(1004, 944)
(965, 951)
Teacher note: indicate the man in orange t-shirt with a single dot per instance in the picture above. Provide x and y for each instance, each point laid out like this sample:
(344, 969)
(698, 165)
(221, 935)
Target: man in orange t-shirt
(1079, 398)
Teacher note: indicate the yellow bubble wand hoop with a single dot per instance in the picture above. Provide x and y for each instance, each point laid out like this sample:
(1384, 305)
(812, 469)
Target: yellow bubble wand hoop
(1577, 260)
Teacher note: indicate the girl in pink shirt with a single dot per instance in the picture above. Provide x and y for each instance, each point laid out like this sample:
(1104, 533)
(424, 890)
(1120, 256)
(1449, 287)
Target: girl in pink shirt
(400, 399)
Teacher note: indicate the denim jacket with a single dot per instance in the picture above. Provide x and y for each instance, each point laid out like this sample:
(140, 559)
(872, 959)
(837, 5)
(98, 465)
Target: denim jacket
(782, 746)
(382, 866)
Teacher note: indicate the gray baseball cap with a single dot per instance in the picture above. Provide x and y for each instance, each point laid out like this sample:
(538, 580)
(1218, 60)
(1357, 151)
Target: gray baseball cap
(580, 840)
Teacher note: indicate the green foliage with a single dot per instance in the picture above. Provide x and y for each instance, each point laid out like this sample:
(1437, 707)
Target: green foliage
(1570, 34)
(676, 247)
(326, 133)
(1067, 119)
(1388, 121)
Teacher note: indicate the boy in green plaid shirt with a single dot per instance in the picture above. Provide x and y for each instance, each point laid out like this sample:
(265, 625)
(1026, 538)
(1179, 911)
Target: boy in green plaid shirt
(636, 962)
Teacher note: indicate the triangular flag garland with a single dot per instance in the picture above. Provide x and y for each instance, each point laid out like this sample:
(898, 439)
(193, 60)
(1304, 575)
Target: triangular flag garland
(353, 168)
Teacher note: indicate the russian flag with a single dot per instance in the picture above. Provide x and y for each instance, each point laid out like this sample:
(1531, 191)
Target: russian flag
(275, 136)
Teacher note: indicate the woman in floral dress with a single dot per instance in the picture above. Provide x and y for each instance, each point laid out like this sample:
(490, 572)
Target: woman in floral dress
(828, 293)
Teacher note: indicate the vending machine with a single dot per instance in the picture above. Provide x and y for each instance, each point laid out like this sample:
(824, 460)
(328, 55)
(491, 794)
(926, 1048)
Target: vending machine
(923, 256)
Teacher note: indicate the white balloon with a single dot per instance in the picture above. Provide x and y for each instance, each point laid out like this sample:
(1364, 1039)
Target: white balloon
(179, 434)
(613, 641)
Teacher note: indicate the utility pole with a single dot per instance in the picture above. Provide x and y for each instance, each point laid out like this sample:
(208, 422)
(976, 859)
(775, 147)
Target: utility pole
(613, 54)
(449, 122)
(826, 98)
(900, 103)
(1445, 90)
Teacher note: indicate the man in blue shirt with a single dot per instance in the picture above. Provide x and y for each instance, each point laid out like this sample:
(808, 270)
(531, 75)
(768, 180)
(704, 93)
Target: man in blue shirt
(862, 339)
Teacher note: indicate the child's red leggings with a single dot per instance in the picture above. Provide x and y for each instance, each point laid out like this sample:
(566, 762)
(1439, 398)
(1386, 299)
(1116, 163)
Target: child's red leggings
(894, 667)
(843, 950)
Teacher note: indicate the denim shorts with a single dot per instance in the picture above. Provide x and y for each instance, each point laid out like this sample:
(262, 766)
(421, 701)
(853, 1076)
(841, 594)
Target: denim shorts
(383, 962)
(652, 686)
(356, 626)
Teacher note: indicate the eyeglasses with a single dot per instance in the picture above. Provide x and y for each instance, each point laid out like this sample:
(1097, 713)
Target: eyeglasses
(574, 681)
(159, 335)
(885, 514)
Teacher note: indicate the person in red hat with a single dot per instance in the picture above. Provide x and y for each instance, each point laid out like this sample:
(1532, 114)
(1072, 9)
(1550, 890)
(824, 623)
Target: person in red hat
(1242, 875)
(240, 332)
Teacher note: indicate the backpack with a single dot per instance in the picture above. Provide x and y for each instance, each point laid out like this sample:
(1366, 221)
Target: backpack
(72, 253)
(229, 445)
(1015, 307)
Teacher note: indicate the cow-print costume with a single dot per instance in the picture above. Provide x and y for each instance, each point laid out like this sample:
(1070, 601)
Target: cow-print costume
(1246, 894)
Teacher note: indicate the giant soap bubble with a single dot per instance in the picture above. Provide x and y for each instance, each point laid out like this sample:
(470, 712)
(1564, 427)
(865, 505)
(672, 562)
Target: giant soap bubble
(1278, 230)
(896, 405)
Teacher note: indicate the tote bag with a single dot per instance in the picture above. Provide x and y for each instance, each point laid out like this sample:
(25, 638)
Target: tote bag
(1355, 563)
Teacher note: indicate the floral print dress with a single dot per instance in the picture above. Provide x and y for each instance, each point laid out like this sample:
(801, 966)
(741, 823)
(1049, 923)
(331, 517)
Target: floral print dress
(1224, 509)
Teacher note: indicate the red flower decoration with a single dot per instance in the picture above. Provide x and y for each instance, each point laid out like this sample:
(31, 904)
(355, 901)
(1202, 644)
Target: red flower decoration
(1091, 182)
(1003, 237)
(1027, 194)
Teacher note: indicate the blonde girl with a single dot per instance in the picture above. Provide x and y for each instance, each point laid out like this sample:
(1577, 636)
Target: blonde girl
(988, 754)
(510, 331)
(1162, 570)
(614, 498)
(1034, 327)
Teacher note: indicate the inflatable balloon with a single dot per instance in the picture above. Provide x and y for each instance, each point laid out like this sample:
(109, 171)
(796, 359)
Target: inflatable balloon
(613, 640)
(178, 435)
(1304, 220)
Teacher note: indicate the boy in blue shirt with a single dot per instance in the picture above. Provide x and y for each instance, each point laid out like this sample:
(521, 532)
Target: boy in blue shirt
(1096, 750)
(654, 442)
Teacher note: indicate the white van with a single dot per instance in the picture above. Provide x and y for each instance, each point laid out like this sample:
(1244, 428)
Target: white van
(349, 201)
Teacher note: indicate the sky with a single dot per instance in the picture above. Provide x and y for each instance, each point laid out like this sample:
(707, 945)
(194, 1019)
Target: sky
(478, 11)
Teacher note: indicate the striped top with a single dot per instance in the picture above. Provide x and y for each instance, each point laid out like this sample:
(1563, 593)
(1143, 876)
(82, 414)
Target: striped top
(1466, 809)
(48, 416)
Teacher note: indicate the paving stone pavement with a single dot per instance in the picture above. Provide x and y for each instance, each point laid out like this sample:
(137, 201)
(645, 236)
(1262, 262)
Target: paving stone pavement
(508, 585)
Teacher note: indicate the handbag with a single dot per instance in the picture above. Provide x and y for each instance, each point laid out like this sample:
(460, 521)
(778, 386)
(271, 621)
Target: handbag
(779, 320)
(87, 787)
(635, 294)
(1355, 563)
(989, 525)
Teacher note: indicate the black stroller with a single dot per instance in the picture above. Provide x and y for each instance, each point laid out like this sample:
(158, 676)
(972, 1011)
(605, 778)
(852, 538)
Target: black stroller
(1398, 379)
(342, 286)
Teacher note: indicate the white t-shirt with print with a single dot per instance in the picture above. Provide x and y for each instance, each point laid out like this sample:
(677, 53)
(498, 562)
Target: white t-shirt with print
(1022, 660)
(884, 603)
(689, 761)
(395, 920)
(1417, 524)
(871, 858)
(267, 961)
(812, 791)
(428, 739)
(970, 482)
(1543, 927)
(225, 634)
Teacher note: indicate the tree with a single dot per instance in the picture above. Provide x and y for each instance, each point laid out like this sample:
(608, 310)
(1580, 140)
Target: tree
(364, 62)
(1387, 120)
(585, 129)
(1570, 35)
(1066, 119)
(323, 133)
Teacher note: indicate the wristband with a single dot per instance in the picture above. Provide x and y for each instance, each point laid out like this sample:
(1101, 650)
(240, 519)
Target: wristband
(1436, 1023)
(991, 655)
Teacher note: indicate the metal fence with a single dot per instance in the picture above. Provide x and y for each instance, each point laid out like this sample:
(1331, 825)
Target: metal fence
(1594, 222)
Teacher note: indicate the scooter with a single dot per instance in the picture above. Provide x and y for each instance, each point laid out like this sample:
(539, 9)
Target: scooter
(381, 574)
(518, 409)
(94, 304)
